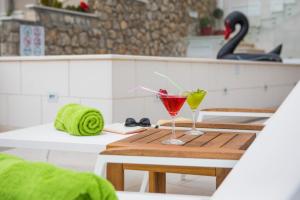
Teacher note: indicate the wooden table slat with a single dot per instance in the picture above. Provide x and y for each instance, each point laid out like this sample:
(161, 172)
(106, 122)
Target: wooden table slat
(178, 135)
(241, 142)
(176, 151)
(140, 135)
(187, 138)
(208, 142)
(220, 140)
(203, 139)
(152, 137)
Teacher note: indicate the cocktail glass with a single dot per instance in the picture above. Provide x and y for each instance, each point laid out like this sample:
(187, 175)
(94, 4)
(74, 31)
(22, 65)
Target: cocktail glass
(173, 104)
(194, 99)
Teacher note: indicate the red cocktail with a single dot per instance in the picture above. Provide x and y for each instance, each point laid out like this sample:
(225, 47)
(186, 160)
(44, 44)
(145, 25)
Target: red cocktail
(173, 104)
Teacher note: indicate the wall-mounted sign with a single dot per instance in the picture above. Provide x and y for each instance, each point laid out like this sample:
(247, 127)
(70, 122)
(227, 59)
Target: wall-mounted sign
(32, 40)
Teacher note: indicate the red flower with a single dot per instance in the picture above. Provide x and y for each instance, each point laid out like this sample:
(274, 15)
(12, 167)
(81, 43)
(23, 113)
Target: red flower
(84, 6)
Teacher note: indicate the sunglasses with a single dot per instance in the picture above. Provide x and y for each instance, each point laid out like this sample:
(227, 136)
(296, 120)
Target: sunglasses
(144, 122)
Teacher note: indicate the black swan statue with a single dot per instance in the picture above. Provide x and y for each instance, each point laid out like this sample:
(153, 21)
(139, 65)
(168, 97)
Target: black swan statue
(227, 51)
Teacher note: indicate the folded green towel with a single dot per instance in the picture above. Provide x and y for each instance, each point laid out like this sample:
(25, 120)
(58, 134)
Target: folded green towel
(79, 120)
(23, 180)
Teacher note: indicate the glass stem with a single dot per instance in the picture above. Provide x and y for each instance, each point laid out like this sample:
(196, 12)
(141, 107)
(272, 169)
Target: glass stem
(173, 135)
(194, 120)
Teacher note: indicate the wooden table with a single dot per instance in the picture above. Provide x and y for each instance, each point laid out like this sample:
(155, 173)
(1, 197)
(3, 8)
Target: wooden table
(211, 145)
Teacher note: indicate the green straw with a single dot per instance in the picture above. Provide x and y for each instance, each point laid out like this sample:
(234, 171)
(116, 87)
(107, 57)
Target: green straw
(171, 81)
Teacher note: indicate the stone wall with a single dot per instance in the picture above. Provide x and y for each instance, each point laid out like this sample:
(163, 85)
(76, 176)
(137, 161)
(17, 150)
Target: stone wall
(9, 36)
(156, 28)
(69, 32)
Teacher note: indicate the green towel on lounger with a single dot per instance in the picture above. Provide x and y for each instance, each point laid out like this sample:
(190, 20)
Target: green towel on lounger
(23, 180)
(79, 120)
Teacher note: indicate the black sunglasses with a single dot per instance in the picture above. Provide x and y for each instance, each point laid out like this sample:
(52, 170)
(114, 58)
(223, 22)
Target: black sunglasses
(144, 122)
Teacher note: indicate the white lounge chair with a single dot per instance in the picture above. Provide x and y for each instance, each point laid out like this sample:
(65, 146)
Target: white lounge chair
(237, 112)
(269, 170)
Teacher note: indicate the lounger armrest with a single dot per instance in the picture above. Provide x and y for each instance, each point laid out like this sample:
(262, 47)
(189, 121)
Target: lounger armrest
(246, 110)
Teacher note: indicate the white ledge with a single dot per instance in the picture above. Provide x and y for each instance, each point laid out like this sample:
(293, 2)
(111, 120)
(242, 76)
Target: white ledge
(14, 18)
(140, 58)
(61, 10)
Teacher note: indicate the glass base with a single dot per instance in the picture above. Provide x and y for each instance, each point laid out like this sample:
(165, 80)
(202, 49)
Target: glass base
(194, 132)
(173, 141)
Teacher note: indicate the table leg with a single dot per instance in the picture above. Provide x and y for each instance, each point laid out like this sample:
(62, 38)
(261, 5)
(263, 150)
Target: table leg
(221, 174)
(100, 167)
(157, 182)
(115, 174)
(145, 182)
(47, 155)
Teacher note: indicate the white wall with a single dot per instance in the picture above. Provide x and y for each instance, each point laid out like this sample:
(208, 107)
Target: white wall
(25, 85)
(204, 46)
(245, 82)
(104, 81)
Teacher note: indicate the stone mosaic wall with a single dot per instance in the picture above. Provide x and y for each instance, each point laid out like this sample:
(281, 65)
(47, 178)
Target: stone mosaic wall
(156, 28)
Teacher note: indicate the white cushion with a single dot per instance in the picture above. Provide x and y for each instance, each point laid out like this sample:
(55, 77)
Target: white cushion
(270, 169)
(151, 196)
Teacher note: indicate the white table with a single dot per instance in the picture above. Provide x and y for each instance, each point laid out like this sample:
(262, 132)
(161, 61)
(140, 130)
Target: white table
(46, 137)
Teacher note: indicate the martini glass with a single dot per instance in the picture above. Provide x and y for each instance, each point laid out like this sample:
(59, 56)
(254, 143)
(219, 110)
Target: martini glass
(194, 99)
(173, 104)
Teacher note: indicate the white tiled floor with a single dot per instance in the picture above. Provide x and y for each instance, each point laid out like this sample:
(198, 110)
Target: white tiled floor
(191, 185)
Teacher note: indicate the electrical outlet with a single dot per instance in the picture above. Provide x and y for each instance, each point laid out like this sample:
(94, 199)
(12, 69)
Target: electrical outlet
(53, 97)
(237, 70)
(225, 91)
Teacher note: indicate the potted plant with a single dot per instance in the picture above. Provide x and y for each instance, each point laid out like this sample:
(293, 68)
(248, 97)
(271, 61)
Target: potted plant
(52, 3)
(81, 7)
(206, 26)
(218, 14)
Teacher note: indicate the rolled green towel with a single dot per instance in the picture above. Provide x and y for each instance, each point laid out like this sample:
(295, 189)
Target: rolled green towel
(79, 120)
(23, 180)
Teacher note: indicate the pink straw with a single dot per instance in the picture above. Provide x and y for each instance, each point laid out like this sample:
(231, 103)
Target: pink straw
(146, 89)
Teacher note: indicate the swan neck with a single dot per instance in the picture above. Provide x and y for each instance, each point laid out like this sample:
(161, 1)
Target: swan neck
(232, 44)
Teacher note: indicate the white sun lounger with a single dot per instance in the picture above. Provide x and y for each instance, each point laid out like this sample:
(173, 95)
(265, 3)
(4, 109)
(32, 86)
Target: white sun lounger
(269, 170)
(46, 137)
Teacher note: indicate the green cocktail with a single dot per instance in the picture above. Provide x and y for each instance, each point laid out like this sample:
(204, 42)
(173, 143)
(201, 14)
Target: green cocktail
(194, 99)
